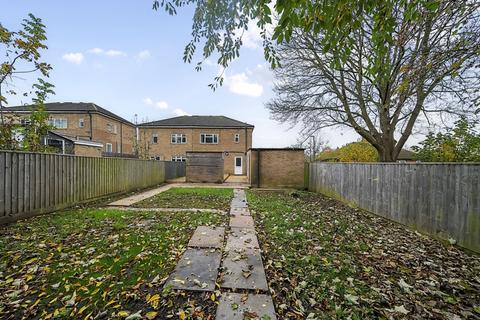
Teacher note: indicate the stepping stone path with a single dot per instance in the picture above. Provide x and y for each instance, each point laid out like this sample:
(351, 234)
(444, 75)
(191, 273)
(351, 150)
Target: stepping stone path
(241, 266)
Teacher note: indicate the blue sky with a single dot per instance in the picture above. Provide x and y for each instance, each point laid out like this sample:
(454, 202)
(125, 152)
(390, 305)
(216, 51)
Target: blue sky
(127, 58)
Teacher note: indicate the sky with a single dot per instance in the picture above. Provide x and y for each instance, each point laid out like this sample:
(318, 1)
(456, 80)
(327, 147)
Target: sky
(127, 58)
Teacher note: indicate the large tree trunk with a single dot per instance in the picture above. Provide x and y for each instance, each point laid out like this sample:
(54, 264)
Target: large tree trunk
(387, 151)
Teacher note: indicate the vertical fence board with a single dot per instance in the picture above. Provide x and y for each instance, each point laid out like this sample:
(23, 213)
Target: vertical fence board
(2, 183)
(439, 199)
(32, 183)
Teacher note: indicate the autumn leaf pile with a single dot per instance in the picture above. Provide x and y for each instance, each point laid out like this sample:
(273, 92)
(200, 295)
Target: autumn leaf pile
(100, 264)
(198, 198)
(325, 260)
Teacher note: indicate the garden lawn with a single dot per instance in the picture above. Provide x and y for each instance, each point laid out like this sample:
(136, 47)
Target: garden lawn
(97, 263)
(325, 260)
(198, 198)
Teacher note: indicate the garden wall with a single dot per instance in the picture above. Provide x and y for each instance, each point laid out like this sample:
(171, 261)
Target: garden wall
(276, 167)
(34, 183)
(439, 199)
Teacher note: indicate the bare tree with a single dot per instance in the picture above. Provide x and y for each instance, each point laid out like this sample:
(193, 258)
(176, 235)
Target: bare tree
(430, 68)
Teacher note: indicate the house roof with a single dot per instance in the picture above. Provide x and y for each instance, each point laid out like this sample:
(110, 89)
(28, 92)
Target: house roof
(76, 140)
(198, 122)
(74, 107)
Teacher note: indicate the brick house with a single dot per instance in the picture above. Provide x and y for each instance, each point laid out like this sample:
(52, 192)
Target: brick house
(87, 121)
(170, 139)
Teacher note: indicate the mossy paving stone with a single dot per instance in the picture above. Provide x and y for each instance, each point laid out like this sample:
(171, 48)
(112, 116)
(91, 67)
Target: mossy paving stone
(197, 270)
(241, 238)
(242, 222)
(243, 269)
(237, 306)
(239, 212)
(207, 237)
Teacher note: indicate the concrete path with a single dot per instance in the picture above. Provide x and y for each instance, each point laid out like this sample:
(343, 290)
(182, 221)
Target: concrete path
(128, 201)
(240, 267)
(166, 209)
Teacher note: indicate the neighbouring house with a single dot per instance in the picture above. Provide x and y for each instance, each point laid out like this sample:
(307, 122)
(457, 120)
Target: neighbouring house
(86, 122)
(64, 144)
(171, 139)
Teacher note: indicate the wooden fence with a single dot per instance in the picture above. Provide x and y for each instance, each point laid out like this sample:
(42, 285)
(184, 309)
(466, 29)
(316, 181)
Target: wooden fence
(439, 199)
(34, 183)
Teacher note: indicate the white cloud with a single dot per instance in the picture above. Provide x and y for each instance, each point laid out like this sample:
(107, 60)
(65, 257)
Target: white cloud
(240, 84)
(73, 57)
(179, 112)
(161, 105)
(251, 37)
(108, 53)
(143, 55)
(148, 101)
(95, 51)
(115, 53)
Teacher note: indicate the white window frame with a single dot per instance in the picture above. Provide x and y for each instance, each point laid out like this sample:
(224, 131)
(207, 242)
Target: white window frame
(58, 123)
(179, 158)
(175, 137)
(25, 122)
(81, 123)
(155, 135)
(108, 146)
(236, 138)
(213, 136)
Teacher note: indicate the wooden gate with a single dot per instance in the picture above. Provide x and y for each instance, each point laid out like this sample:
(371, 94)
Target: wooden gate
(205, 167)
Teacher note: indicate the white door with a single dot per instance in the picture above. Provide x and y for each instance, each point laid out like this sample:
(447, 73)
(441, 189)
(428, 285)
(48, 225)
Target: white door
(238, 165)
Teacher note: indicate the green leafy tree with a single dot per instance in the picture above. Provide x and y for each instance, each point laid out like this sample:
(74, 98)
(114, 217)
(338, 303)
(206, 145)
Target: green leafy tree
(460, 144)
(218, 26)
(22, 55)
(359, 151)
(431, 69)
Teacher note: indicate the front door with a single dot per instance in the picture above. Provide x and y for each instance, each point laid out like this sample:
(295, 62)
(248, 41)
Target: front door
(238, 165)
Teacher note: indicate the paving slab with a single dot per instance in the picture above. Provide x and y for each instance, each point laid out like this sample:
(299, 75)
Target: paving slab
(242, 222)
(207, 237)
(243, 269)
(239, 212)
(128, 201)
(241, 239)
(197, 270)
(237, 306)
(238, 203)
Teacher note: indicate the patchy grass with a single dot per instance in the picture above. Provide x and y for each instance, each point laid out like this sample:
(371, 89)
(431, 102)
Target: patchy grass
(96, 263)
(199, 198)
(325, 260)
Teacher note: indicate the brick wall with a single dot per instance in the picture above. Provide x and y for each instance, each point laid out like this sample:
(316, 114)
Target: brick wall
(276, 168)
(122, 140)
(165, 149)
(87, 151)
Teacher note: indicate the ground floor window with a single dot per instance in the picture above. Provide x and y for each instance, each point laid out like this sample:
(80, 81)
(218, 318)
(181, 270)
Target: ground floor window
(179, 158)
(108, 147)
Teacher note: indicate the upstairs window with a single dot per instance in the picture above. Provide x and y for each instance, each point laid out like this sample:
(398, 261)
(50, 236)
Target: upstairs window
(58, 123)
(155, 138)
(209, 138)
(112, 128)
(81, 123)
(178, 138)
(236, 138)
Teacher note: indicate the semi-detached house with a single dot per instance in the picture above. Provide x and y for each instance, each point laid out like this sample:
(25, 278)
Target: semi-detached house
(171, 139)
(86, 122)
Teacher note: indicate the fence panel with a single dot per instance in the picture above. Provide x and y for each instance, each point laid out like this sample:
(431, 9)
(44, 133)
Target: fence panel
(33, 183)
(441, 199)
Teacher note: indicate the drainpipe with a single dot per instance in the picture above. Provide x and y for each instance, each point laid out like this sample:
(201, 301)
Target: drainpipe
(91, 125)
(121, 137)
